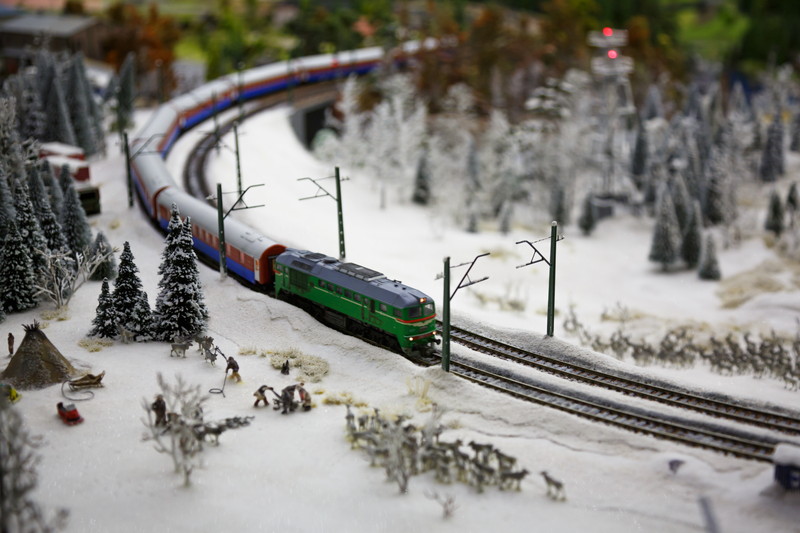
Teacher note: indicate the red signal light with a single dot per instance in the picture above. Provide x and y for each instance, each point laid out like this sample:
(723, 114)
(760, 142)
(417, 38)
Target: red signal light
(608, 32)
(612, 54)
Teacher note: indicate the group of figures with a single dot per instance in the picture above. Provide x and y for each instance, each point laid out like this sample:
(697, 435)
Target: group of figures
(200, 429)
(285, 401)
(403, 451)
(205, 345)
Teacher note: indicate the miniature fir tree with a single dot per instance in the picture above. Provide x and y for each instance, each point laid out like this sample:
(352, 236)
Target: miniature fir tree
(104, 323)
(130, 306)
(74, 224)
(422, 183)
(31, 231)
(709, 266)
(794, 133)
(51, 229)
(125, 94)
(681, 200)
(653, 105)
(7, 211)
(692, 243)
(715, 193)
(35, 172)
(639, 156)
(18, 478)
(587, 220)
(793, 198)
(107, 269)
(30, 111)
(17, 291)
(79, 108)
(774, 222)
(180, 309)
(55, 191)
(59, 124)
(665, 246)
(45, 75)
(772, 157)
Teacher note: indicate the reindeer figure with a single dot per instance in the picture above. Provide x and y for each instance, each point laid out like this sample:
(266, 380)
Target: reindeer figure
(482, 451)
(125, 335)
(512, 480)
(211, 356)
(179, 349)
(350, 420)
(555, 488)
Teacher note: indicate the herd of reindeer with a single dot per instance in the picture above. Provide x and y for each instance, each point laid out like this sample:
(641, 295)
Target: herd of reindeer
(769, 356)
(403, 450)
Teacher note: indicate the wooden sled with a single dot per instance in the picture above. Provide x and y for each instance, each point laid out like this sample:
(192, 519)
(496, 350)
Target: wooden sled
(88, 381)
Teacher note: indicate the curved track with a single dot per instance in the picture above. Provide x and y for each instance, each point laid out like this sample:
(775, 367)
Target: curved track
(194, 170)
(690, 433)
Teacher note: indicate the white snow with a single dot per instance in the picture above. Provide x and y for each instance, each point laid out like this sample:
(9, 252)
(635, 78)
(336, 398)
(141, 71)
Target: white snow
(297, 472)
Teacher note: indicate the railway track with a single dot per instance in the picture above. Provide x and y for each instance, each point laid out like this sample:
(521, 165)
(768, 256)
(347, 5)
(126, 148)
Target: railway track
(194, 180)
(708, 406)
(692, 434)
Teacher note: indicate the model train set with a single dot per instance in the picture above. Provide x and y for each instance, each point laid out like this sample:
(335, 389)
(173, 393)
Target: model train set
(347, 296)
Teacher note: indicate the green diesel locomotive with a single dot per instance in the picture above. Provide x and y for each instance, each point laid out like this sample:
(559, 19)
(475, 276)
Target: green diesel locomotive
(357, 300)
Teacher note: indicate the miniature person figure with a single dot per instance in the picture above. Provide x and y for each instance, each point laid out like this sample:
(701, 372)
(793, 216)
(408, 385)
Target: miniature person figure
(287, 399)
(10, 344)
(305, 397)
(285, 368)
(261, 395)
(159, 407)
(233, 366)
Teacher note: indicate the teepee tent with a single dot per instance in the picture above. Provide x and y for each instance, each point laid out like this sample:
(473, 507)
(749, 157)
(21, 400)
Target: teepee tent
(37, 362)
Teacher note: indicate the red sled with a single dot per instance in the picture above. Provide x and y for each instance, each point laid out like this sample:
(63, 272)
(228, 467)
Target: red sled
(69, 414)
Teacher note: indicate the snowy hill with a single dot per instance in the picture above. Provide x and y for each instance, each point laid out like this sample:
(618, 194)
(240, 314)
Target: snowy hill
(297, 472)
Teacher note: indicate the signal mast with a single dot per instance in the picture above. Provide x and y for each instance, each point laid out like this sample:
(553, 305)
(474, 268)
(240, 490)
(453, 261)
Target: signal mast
(614, 103)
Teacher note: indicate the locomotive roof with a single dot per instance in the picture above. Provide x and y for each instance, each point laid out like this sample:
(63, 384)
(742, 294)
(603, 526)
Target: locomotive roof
(357, 278)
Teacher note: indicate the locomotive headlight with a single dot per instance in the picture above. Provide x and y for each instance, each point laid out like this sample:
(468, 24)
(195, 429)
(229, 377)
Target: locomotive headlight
(423, 300)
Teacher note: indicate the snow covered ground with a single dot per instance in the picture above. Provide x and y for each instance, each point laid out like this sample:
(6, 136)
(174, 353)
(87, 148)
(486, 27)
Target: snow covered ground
(298, 473)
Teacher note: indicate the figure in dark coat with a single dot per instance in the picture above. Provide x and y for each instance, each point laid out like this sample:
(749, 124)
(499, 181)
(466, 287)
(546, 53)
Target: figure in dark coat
(287, 399)
(10, 344)
(233, 366)
(159, 407)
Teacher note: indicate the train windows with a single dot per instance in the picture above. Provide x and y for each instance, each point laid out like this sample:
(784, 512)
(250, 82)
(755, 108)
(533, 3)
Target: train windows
(339, 291)
(428, 308)
(398, 312)
(384, 308)
(357, 297)
(348, 294)
(414, 312)
(371, 305)
(321, 284)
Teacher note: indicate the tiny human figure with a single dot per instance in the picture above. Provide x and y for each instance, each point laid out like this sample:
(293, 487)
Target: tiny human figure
(285, 368)
(233, 366)
(287, 399)
(305, 397)
(261, 396)
(159, 407)
(10, 344)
